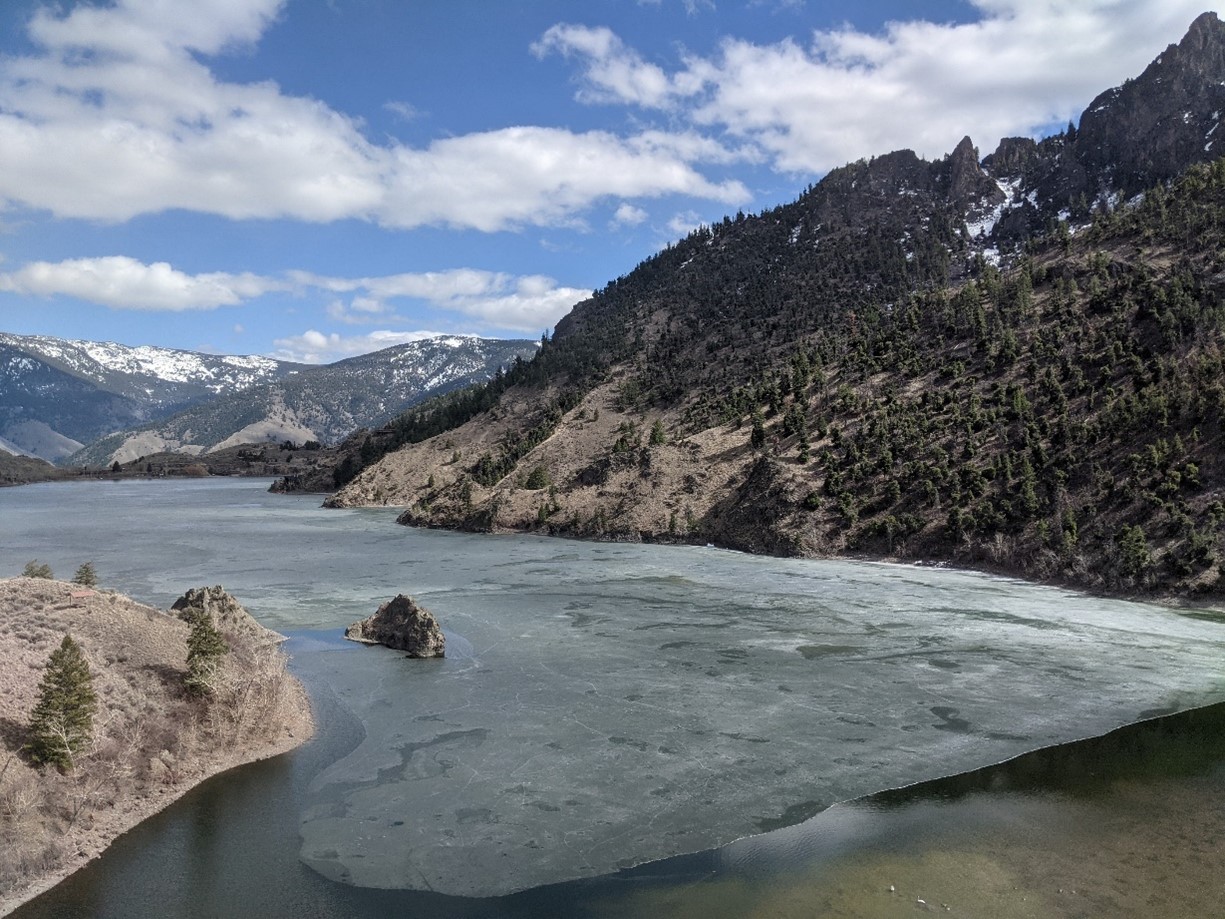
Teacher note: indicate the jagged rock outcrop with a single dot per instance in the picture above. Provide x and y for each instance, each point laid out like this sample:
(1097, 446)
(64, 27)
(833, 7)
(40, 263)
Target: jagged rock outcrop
(229, 615)
(401, 623)
(1130, 138)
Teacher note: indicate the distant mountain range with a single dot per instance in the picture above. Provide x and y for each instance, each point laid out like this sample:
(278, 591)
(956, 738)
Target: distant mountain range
(57, 395)
(1012, 361)
(79, 402)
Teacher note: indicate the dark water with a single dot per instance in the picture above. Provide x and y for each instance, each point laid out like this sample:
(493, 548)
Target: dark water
(230, 847)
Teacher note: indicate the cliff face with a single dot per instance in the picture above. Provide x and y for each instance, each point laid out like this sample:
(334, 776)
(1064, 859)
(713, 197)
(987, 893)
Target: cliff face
(852, 373)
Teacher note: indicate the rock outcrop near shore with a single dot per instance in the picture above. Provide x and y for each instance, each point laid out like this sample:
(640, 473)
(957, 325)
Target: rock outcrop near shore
(230, 616)
(401, 623)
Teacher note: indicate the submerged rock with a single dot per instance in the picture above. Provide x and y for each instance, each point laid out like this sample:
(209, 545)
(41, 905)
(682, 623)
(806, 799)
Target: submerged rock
(402, 624)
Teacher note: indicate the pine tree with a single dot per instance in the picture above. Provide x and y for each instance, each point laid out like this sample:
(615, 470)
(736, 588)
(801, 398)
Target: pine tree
(86, 576)
(37, 569)
(61, 723)
(205, 648)
(758, 435)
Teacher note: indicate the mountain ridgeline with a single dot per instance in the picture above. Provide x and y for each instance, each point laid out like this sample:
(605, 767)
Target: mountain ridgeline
(58, 394)
(1014, 362)
(128, 403)
(323, 403)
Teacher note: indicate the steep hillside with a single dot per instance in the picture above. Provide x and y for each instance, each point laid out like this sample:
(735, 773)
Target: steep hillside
(323, 403)
(852, 372)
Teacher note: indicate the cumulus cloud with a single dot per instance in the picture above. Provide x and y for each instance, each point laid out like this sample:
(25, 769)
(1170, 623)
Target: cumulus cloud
(614, 72)
(684, 224)
(524, 303)
(541, 176)
(628, 216)
(314, 347)
(121, 282)
(520, 303)
(125, 91)
(810, 105)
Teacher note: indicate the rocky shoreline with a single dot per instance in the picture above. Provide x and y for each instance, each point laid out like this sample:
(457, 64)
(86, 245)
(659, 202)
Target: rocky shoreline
(152, 745)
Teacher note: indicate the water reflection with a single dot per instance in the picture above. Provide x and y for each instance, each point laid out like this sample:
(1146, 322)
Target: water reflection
(1128, 824)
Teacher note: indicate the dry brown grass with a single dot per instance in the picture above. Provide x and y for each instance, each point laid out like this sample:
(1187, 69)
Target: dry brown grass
(151, 741)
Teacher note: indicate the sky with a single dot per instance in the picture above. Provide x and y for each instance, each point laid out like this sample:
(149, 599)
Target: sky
(314, 179)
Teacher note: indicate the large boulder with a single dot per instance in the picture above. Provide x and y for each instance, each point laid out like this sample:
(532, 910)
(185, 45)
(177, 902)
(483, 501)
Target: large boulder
(229, 615)
(402, 624)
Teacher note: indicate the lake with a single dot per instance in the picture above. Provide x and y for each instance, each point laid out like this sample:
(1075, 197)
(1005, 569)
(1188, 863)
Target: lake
(624, 729)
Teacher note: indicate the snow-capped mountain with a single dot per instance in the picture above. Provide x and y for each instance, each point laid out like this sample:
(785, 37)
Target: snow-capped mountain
(57, 394)
(323, 403)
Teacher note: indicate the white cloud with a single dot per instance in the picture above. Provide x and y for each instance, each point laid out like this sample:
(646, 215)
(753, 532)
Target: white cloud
(684, 224)
(524, 303)
(615, 72)
(121, 282)
(404, 110)
(125, 91)
(314, 347)
(1022, 66)
(539, 176)
(628, 216)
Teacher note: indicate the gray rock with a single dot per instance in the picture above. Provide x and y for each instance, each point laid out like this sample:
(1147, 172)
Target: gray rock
(402, 624)
(230, 616)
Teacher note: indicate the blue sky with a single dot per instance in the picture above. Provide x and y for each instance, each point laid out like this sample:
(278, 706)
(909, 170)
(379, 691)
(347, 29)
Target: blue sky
(312, 179)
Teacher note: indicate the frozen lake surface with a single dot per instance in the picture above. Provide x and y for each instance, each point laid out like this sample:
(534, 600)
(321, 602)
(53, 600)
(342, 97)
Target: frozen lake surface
(605, 705)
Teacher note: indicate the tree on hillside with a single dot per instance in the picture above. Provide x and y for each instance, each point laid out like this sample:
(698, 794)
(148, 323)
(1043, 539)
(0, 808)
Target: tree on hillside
(86, 576)
(61, 723)
(205, 648)
(37, 569)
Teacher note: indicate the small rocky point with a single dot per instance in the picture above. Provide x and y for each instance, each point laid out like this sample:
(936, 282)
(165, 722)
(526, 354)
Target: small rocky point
(229, 615)
(402, 624)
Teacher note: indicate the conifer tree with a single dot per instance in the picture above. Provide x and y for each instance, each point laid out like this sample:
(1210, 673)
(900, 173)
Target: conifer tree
(61, 723)
(205, 648)
(37, 569)
(86, 576)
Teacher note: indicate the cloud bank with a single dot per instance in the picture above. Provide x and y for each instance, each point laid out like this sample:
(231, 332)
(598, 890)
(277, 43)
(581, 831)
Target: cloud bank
(519, 303)
(124, 91)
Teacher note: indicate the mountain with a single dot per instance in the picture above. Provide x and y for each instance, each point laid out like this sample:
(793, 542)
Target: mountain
(1013, 362)
(58, 394)
(317, 403)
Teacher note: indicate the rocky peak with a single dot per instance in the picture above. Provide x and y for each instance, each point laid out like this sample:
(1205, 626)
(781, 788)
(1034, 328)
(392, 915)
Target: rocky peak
(968, 184)
(1012, 158)
(1151, 128)
(1130, 138)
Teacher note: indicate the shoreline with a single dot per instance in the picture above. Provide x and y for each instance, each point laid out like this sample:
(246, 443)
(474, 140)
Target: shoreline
(109, 826)
(1213, 602)
(151, 747)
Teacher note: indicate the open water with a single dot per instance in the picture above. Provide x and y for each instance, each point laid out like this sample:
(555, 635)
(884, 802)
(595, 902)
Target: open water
(622, 729)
